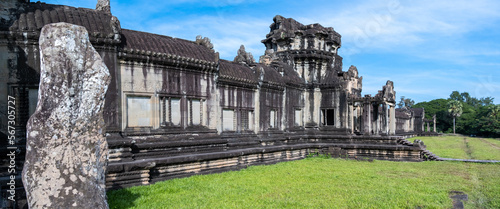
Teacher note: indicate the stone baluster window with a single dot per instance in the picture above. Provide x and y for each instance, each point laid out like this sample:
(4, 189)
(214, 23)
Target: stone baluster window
(298, 117)
(195, 113)
(170, 111)
(244, 119)
(228, 120)
(272, 119)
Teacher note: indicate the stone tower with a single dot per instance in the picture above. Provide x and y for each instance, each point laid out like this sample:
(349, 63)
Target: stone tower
(311, 49)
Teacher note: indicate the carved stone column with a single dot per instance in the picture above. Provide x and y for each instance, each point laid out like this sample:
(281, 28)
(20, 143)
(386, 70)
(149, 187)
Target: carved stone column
(367, 119)
(434, 122)
(376, 120)
(384, 120)
(351, 117)
(392, 121)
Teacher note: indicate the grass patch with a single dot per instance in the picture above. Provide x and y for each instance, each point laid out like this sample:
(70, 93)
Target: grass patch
(483, 149)
(445, 146)
(463, 147)
(323, 183)
(495, 142)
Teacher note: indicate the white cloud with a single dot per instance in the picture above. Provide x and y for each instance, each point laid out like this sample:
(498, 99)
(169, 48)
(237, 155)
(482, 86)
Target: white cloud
(374, 25)
(227, 34)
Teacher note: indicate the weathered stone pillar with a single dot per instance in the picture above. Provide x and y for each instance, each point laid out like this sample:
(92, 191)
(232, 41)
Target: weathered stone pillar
(367, 119)
(392, 122)
(66, 150)
(428, 127)
(317, 104)
(376, 120)
(434, 122)
(256, 113)
(351, 117)
(385, 121)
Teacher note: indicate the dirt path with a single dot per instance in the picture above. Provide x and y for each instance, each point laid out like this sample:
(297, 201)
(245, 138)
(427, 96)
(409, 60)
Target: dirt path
(467, 148)
(487, 142)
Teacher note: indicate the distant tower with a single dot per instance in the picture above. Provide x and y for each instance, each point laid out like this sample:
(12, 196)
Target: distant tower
(311, 49)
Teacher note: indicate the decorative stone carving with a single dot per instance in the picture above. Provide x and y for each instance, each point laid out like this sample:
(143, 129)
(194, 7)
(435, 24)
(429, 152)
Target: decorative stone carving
(204, 42)
(116, 27)
(66, 150)
(103, 5)
(268, 57)
(389, 92)
(244, 56)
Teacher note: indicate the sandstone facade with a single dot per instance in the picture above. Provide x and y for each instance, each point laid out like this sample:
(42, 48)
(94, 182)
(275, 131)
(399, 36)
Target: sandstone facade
(174, 108)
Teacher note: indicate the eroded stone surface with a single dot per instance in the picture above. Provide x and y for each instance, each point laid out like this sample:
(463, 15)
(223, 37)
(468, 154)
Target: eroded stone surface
(103, 5)
(67, 152)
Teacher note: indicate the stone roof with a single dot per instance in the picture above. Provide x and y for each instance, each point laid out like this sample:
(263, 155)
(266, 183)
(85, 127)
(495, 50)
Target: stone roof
(333, 79)
(31, 17)
(271, 76)
(237, 74)
(136, 42)
(418, 112)
(403, 113)
(290, 77)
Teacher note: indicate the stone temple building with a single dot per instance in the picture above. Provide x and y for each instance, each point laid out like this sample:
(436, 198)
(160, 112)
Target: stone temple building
(175, 109)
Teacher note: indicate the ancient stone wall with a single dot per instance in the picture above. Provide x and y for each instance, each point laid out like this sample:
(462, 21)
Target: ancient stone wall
(173, 108)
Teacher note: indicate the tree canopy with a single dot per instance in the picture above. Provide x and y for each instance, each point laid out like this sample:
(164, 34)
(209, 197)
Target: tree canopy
(405, 102)
(455, 110)
(479, 117)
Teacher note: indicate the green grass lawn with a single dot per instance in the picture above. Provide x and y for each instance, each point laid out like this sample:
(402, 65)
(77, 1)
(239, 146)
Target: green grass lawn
(336, 183)
(463, 147)
(324, 183)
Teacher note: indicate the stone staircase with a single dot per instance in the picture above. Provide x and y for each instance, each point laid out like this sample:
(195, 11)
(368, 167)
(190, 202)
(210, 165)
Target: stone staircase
(425, 154)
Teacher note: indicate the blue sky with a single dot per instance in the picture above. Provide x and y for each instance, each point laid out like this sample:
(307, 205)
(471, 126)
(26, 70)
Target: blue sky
(428, 48)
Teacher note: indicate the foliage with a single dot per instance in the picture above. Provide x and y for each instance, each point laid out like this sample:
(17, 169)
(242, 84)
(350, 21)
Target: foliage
(406, 102)
(455, 108)
(437, 107)
(472, 101)
(479, 116)
(324, 183)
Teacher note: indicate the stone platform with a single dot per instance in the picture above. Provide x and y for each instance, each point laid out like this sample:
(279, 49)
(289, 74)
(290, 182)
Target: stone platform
(143, 160)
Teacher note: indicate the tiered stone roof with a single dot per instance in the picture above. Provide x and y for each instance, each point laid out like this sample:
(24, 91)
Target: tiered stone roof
(144, 46)
(101, 26)
(237, 74)
(286, 28)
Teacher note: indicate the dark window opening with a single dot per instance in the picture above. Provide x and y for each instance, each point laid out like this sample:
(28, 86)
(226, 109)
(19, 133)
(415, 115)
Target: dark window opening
(328, 117)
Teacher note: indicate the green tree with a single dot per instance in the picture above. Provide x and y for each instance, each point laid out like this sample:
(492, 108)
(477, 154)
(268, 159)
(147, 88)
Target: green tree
(486, 101)
(455, 95)
(455, 110)
(405, 102)
(487, 122)
(438, 107)
(478, 117)
(494, 111)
